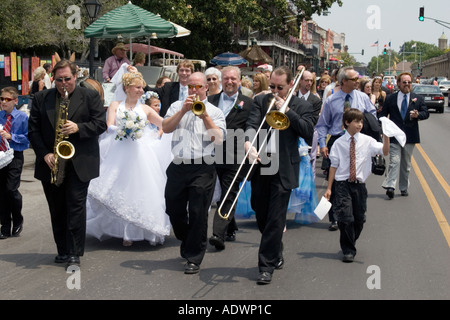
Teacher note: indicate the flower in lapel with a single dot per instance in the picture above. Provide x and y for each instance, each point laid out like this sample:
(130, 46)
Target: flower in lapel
(239, 105)
(414, 100)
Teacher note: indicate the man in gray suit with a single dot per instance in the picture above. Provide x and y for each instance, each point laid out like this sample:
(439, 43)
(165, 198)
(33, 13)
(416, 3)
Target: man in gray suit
(405, 109)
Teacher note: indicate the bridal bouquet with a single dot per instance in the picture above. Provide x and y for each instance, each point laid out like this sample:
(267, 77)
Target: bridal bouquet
(130, 125)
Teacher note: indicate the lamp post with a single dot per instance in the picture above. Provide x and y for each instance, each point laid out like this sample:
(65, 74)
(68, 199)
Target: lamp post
(92, 9)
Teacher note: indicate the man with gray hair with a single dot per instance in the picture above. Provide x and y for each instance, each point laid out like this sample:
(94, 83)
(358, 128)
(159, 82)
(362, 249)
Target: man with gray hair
(330, 119)
(236, 108)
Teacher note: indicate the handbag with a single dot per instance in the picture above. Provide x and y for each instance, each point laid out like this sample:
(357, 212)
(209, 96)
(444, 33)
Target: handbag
(6, 156)
(378, 165)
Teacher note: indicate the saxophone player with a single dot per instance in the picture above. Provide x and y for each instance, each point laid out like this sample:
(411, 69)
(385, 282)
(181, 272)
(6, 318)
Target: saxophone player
(86, 120)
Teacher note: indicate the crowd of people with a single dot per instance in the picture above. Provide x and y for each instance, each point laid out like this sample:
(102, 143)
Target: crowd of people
(161, 157)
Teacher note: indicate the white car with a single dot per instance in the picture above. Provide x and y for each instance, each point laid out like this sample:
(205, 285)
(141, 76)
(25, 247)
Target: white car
(444, 85)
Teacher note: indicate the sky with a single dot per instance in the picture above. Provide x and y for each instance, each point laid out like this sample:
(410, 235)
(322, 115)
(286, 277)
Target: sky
(395, 21)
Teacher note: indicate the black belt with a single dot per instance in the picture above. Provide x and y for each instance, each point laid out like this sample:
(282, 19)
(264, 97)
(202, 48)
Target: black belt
(356, 181)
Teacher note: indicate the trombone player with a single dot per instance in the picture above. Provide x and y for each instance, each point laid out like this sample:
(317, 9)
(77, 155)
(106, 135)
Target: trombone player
(86, 120)
(271, 189)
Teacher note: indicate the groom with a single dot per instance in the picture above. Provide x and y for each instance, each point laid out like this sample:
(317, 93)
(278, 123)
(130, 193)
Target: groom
(405, 109)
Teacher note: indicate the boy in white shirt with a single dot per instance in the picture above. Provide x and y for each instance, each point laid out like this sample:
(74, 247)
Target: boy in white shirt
(350, 202)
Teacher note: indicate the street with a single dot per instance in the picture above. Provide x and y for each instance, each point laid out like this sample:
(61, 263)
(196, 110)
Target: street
(403, 252)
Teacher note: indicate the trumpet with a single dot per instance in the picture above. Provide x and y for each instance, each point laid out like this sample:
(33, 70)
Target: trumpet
(198, 107)
(276, 119)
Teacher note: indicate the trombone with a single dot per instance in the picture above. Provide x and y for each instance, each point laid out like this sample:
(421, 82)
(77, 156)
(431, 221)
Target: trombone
(276, 119)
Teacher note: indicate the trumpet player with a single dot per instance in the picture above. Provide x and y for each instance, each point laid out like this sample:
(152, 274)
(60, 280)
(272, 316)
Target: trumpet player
(191, 176)
(271, 189)
(86, 120)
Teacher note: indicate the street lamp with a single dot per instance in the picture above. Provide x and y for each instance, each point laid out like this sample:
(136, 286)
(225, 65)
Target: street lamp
(92, 9)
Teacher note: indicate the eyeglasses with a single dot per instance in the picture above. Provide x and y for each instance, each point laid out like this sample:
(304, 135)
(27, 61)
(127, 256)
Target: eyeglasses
(6, 99)
(406, 82)
(354, 79)
(196, 86)
(66, 79)
(278, 87)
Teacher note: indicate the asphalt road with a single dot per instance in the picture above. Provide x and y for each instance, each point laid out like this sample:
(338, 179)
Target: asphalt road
(403, 252)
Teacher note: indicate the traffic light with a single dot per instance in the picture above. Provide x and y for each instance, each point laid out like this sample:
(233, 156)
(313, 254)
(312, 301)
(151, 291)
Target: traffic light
(362, 52)
(384, 51)
(421, 13)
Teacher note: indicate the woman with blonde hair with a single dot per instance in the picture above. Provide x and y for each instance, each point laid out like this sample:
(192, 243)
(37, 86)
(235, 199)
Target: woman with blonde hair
(260, 84)
(38, 80)
(378, 94)
(127, 201)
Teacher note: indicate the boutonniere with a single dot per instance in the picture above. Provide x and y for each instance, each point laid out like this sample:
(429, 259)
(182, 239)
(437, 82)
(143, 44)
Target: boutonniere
(239, 106)
(414, 100)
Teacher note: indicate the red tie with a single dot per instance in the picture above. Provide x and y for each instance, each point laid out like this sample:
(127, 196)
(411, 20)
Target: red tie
(352, 160)
(7, 128)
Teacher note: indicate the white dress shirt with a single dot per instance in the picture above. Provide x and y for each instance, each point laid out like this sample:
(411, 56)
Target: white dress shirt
(366, 147)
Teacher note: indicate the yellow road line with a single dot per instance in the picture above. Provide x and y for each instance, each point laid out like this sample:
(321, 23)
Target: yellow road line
(433, 168)
(443, 224)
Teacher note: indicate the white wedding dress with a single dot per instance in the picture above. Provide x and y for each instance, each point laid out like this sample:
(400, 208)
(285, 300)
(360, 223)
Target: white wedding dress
(127, 200)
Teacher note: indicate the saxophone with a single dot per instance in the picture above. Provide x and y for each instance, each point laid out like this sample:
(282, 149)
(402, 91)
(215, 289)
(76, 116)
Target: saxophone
(63, 150)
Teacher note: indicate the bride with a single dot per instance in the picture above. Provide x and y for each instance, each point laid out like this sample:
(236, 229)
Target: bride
(127, 200)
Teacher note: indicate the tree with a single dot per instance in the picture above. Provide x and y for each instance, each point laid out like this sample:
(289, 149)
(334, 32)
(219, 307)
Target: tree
(43, 28)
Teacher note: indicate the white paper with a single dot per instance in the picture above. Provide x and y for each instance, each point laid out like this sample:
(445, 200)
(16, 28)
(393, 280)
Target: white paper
(322, 208)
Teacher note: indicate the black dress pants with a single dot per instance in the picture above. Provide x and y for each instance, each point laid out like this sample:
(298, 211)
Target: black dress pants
(270, 201)
(67, 205)
(350, 204)
(189, 191)
(10, 197)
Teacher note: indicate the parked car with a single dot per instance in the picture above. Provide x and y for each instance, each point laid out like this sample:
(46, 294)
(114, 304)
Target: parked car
(434, 99)
(444, 86)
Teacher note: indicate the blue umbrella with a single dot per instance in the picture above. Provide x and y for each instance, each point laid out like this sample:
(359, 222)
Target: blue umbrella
(228, 59)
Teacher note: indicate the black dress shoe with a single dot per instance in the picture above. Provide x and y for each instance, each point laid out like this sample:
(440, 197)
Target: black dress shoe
(191, 268)
(17, 230)
(3, 236)
(61, 258)
(333, 226)
(404, 193)
(390, 192)
(231, 237)
(217, 242)
(73, 260)
(264, 278)
(348, 257)
(280, 263)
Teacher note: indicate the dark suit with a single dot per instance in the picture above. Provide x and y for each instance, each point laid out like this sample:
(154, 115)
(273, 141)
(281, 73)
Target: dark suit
(228, 166)
(271, 192)
(400, 157)
(67, 203)
(168, 94)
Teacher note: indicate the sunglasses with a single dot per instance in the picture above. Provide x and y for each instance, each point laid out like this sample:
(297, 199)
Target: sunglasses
(211, 79)
(278, 87)
(354, 79)
(66, 79)
(406, 82)
(196, 86)
(6, 99)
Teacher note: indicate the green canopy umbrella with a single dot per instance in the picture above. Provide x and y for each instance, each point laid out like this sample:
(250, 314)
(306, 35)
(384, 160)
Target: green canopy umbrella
(130, 21)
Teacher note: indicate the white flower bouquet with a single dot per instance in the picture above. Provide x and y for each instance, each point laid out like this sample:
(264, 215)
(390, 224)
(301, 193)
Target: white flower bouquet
(130, 125)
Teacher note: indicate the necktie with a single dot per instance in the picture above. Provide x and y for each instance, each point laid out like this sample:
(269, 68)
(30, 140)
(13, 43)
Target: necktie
(228, 98)
(404, 106)
(7, 128)
(347, 102)
(352, 160)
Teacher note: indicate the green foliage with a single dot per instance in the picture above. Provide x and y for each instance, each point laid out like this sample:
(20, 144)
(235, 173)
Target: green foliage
(28, 26)
(421, 52)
